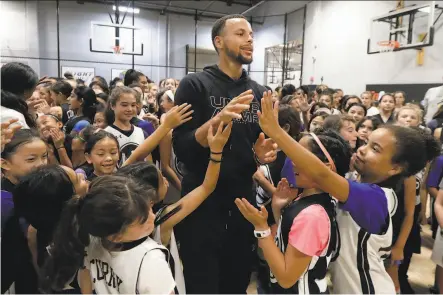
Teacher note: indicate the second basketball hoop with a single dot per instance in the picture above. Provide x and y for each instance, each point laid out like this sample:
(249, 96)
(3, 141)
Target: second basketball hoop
(118, 50)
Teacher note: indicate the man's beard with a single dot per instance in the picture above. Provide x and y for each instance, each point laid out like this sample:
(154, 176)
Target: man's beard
(238, 57)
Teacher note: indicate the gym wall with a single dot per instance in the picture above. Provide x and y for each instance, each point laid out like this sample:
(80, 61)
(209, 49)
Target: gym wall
(336, 36)
(28, 33)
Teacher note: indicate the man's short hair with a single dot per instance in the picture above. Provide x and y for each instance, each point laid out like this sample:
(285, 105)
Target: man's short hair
(219, 25)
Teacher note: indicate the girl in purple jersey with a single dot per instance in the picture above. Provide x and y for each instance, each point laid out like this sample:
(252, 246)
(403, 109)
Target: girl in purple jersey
(392, 153)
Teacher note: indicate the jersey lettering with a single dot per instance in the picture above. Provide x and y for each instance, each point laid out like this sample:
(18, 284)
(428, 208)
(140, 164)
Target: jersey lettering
(106, 273)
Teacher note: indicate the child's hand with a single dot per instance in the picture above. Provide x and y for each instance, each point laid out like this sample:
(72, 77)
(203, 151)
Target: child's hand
(265, 149)
(43, 107)
(258, 218)
(58, 137)
(177, 116)
(217, 142)
(284, 194)
(7, 132)
(304, 105)
(236, 106)
(269, 114)
(258, 175)
(152, 118)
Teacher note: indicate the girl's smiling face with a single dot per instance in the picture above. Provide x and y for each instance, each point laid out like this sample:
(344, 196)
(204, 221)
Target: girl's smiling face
(104, 156)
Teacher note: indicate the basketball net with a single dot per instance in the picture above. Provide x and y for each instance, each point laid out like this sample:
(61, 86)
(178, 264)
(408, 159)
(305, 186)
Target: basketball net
(387, 46)
(118, 50)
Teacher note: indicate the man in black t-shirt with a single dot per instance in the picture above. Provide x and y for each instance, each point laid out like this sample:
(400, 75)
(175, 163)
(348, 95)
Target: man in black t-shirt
(216, 244)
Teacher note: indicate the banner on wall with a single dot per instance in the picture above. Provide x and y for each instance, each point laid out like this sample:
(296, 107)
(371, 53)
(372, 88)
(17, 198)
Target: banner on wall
(86, 74)
(118, 73)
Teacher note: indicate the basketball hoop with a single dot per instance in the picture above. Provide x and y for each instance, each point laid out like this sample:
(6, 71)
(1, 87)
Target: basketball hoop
(118, 50)
(387, 46)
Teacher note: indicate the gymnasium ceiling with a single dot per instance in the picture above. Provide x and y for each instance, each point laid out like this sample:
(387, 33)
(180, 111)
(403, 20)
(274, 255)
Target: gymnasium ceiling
(218, 8)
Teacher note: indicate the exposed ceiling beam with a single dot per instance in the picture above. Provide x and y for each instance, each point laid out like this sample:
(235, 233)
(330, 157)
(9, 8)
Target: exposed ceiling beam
(233, 2)
(253, 7)
(172, 9)
(146, 3)
(166, 7)
(207, 6)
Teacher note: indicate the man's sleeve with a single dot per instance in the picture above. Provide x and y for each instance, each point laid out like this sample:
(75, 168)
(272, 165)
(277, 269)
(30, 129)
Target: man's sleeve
(186, 147)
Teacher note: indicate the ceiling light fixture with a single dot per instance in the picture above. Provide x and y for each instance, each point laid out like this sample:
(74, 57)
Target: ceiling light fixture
(127, 9)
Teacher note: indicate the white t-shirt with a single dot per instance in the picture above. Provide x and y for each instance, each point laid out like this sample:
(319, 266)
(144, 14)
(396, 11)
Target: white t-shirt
(433, 98)
(372, 111)
(142, 269)
(6, 114)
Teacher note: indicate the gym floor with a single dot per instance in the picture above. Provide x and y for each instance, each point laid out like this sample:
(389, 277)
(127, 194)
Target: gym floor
(421, 272)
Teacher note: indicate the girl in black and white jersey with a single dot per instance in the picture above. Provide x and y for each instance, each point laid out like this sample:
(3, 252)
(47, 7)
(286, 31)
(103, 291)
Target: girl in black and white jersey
(107, 232)
(406, 220)
(168, 216)
(307, 232)
(391, 153)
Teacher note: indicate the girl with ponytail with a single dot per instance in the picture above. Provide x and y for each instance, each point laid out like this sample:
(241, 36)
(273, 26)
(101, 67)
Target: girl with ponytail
(106, 234)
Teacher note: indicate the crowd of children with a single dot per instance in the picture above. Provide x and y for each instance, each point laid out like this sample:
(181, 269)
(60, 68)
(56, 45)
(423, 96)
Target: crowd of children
(93, 185)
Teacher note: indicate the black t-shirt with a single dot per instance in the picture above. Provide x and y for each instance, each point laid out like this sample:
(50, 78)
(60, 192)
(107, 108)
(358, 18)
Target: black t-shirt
(390, 120)
(88, 168)
(65, 114)
(92, 176)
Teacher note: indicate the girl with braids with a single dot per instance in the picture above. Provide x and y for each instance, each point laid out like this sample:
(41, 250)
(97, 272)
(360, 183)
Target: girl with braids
(391, 154)
(113, 223)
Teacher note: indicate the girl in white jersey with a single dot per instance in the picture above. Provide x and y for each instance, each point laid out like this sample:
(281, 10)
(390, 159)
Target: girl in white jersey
(123, 106)
(364, 219)
(167, 216)
(107, 233)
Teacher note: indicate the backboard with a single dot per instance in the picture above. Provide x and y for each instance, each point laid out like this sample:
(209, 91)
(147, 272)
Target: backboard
(410, 27)
(106, 36)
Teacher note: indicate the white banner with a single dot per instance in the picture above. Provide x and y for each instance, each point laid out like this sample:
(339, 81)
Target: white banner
(118, 73)
(86, 74)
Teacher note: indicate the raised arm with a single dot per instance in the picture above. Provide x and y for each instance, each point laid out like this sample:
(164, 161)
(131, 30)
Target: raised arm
(192, 200)
(175, 117)
(165, 160)
(58, 138)
(193, 135)
(326, 180)
(366, 203)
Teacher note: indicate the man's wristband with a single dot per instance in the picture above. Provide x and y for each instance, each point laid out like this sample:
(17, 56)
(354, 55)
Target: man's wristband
(257, 160)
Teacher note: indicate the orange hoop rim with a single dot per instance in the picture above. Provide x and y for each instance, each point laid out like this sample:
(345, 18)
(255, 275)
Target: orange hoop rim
(392, 44)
